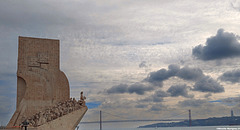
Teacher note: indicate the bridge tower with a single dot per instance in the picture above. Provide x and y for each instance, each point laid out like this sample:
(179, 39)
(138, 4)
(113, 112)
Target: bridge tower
(100, 120)
(232, 115)
(190, 118)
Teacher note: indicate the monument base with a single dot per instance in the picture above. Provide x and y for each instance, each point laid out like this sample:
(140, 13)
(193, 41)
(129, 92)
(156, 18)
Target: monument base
(66, 122)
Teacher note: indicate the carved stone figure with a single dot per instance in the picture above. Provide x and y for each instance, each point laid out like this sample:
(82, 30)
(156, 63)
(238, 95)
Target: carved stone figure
(82, 98)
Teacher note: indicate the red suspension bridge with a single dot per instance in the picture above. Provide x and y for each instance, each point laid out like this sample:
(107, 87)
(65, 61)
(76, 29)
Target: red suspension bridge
(124, 119)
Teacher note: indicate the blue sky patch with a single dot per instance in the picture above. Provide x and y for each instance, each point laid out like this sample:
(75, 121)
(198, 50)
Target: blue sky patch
(216, 101)
(92, 105)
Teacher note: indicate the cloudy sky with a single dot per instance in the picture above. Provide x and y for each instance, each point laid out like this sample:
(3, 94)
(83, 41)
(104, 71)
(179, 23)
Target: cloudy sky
(143, 59)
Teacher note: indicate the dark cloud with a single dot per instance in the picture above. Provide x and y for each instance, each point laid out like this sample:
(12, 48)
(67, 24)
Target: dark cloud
(179, 90)
(190, 73)
(157, 83)
(203, 83)
(159, 76)
(156, 97)
(137, 88)
(159, 95)
(192, 103)
(221, 46)
(208, 84)
(231, 76)
(185, 73)
(121, 88)
(173, 69)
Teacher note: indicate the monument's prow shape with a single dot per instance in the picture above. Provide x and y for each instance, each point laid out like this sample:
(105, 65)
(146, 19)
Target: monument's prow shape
(43, 95)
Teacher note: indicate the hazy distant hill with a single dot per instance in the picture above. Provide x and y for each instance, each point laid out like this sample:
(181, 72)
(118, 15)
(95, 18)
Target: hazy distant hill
(213, 121)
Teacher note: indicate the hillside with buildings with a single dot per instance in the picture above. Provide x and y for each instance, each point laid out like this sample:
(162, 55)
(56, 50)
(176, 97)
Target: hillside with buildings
(213, 121)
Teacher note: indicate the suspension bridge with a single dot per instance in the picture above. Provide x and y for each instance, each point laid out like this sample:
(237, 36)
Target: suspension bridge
(124, 119)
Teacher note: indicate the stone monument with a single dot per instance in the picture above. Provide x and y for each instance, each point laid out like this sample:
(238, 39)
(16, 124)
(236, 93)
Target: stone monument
(43, 96)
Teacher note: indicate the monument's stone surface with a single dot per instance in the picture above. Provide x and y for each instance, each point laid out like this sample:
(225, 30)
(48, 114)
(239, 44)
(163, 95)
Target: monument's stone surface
(68, 122)
(41, 85)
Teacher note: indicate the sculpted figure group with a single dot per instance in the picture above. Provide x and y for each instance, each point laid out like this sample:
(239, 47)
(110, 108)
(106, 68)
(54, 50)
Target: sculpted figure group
(62, 108)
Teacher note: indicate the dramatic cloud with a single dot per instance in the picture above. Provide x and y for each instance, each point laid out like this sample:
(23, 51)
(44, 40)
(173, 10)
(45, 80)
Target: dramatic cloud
(207, 84)
(190, 73)
(185, 73)
(173, 69)
(137, 88)
(223, 45)
(231, 76)
(159, 95)
(156, 97)
(159, 76)
(203, 83)
(121, 88)
(179, 90)
(192, 103)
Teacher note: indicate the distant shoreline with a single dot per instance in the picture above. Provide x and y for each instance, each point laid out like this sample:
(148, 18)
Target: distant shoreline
(213, 121)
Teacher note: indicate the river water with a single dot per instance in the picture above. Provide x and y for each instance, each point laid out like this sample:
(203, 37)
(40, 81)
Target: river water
(175, 128)
(134, 125)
